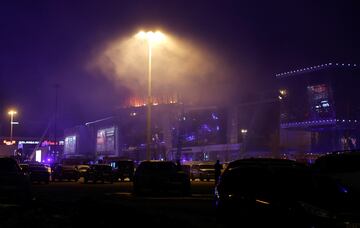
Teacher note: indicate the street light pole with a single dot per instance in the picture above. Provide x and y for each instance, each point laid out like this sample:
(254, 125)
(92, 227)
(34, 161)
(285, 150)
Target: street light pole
(149, 103)
(11, 126)
(11, 113)
(151, 38)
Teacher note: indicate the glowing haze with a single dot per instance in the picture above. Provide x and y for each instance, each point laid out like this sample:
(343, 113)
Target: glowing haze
(179, 68)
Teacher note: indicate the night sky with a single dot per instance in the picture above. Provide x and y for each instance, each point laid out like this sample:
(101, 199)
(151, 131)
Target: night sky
(44, 43)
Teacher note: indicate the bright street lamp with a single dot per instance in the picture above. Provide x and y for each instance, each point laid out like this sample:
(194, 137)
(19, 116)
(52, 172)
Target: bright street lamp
(151, 38)
(12, 113)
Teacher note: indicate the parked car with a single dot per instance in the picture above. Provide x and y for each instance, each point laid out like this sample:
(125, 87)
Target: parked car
(124, 169)
(186, 168)
(281, 193)
(37, 172)
(99, 172)
(82, 169)
(161, 177)
(65, 172)
(203, 171)
(15, 185)
(344, 167)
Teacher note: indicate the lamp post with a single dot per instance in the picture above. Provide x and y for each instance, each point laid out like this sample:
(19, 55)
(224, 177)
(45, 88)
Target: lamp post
(11, 113)
(151, 38)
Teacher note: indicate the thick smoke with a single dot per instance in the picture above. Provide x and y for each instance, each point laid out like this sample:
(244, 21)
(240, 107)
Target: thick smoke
(179, 68)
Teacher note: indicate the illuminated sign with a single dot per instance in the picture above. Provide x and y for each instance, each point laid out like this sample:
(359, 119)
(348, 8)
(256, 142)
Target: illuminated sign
(321, 102)
(9, 143)
(70, 144)
(38, 155)
(105, 140)
(28, 142)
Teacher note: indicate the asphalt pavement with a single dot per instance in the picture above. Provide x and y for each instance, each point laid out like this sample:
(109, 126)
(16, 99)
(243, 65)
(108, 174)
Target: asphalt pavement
(75, 204)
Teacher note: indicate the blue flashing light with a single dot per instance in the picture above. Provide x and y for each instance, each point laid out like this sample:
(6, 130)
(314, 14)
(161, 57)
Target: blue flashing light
(214, 116)
(190, 138)
(343, 189)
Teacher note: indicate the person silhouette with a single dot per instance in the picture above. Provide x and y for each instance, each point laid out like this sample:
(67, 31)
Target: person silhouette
(350, 143)
(218, 167)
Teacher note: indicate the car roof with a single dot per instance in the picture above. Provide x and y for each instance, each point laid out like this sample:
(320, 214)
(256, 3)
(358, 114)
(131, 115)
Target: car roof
(263, 162)
(156, 161)
(100, 165)
(8, 160)
(337, 159)
(340, 154)
(34, 164)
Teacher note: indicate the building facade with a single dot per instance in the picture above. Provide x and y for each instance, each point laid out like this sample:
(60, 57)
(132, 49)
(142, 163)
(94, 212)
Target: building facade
(320, 109)
(179, 132)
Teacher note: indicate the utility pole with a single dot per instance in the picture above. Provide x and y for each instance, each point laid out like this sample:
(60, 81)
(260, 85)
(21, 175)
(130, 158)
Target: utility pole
(55, 153)
(180, 134)
(56, 111)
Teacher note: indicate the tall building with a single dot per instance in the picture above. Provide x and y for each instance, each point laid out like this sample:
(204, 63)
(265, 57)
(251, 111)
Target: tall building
(320, 109)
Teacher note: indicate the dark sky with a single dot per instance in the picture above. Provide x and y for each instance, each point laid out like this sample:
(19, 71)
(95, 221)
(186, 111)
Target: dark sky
(43, 43)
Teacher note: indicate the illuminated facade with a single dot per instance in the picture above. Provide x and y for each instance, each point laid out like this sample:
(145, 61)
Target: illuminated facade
(320, 108)
(178, 132)
(182, 132)
(78, 143)
(24, 149)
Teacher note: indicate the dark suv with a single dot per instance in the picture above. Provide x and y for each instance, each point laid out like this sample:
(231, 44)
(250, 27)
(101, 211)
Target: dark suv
(161, 177)
(264, 192)
(203, 171)
(37, 172)
(124, 169)
(344, 167)
(99, 172)
(65, 172)
(15, 185)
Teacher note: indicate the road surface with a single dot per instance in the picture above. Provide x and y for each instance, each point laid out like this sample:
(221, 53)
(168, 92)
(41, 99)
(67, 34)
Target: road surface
(75, 204)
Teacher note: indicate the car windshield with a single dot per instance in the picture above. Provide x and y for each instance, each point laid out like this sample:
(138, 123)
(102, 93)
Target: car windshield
(37, 167)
